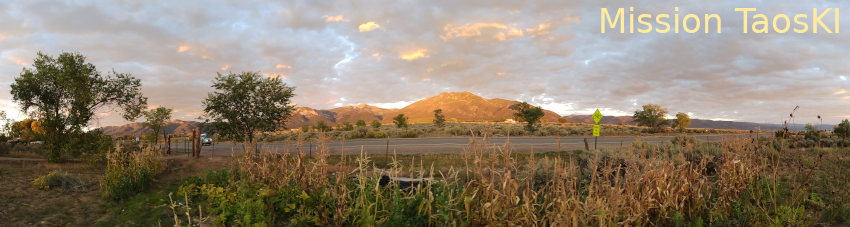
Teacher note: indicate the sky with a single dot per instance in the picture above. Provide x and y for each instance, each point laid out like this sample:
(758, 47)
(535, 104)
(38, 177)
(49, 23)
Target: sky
(391, 53)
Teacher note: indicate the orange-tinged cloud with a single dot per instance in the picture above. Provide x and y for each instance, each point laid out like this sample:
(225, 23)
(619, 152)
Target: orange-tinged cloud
(225, 67)
(274, 76)
(332, 101)
(369, 26)
(281, 66)
(429, 69)
(377, 56)
(182, 48)
(2, 37)
(842, 91)
(336, 18)
(426, 79)
(468, 30)
(541, 29)
(410, 56)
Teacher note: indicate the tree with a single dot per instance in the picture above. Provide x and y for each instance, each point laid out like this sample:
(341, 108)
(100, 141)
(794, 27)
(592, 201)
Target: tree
(651, 116)
(530, 114)
(23, 129)
(361, 123)
(245, 104)
(400, 121)
(439, 119)
(66, 93)
(682, 121)
(321, 126)
(157, 120)
(811, 132)
(345, 126)
(843, 129)
(562, 120)
(6, 127)
(305, 128)
(502, 119)
(376, 124)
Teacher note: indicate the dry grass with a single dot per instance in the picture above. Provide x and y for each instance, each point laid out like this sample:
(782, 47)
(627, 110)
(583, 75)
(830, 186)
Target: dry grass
(682, 183)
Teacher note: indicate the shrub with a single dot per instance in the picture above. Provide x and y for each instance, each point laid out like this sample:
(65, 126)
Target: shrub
(684, 140)
(57, 179)
(409, 134)
(128, 173)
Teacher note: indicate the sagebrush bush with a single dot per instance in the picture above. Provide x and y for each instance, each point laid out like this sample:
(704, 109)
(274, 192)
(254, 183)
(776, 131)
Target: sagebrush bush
(63, 181)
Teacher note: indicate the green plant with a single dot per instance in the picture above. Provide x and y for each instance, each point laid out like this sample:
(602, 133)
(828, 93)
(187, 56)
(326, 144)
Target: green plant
(157, 120)
(651, 116)
(409, 134)
(63, 181)
(811, 132)
(321, 126)
(305, 128)
(439, 119)
(244, 105)
(361, 123)
(345, 126)
(400, 121)
(128, 173)
(376, 124)
(529, 114)
(65, 93)
(682, 121)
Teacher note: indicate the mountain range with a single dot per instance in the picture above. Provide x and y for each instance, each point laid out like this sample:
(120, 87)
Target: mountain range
(460, 106)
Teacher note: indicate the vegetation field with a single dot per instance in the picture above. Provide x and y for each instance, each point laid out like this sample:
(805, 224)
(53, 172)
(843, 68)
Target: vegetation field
(684, 182)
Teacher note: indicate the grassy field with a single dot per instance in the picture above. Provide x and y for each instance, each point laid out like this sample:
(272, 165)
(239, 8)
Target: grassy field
(452, 129)
(735, 182)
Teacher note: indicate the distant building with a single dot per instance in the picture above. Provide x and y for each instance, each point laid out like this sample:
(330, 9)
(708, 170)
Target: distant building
(511, 121)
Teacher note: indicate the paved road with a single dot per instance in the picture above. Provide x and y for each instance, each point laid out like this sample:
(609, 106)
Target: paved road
(447, 144)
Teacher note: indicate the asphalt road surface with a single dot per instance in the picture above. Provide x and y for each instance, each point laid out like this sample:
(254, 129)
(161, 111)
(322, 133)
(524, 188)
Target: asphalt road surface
(443, 144)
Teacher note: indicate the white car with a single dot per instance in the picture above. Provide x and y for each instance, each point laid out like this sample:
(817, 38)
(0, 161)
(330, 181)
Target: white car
(36, 142)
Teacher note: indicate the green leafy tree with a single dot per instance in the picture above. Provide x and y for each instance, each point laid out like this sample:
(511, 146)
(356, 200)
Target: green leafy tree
(811, 132)
(321, 126)
(843, 129)
(305, 128)
(530, 114)
(247, 104)
(23, 130)
(361, 123)
(157, 120)
(66, 93)
(376, 124)
(651, 116)
(346, 126)
(439, 119)
(6, 127)
(400, 121)
(682, 121)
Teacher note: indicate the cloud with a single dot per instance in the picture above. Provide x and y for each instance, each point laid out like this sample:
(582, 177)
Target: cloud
(413, 55)
(467, 30)
(336, 18)
(225, 68)
(842, 91)
(332, 101)
(500, 49)
(369, 26)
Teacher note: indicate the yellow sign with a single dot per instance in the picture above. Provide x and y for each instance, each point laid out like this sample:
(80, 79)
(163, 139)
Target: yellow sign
(597, 116)
(595, 130)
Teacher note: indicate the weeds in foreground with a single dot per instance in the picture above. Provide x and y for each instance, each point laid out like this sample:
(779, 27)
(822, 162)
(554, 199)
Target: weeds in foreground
(62, 181)
(685, 183)
(129, 172)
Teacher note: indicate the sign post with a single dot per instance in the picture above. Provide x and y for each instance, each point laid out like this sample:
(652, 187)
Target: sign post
(596, 117)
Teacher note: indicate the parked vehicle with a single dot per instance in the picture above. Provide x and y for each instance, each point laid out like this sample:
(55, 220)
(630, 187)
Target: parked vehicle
(36, 142)
(206, 140)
